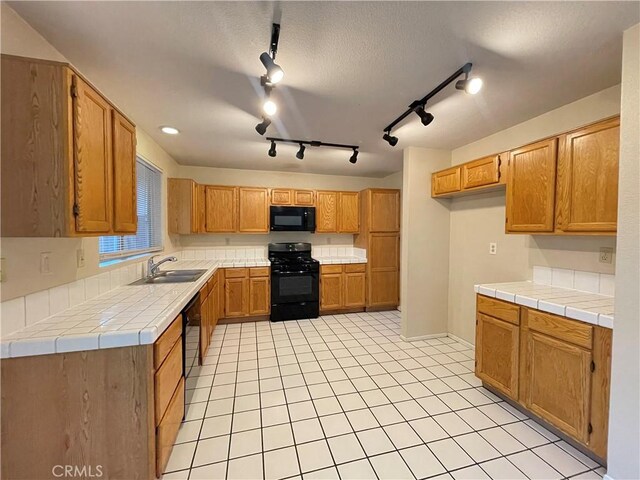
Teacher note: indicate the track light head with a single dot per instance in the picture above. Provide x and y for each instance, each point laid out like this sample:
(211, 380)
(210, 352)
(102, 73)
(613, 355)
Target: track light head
(300, 154)
(269, 107)
(354, 157)
(274, 72)
(272, 150)
(261, 128)
(470, 85)
(425, 117)
(390, 139)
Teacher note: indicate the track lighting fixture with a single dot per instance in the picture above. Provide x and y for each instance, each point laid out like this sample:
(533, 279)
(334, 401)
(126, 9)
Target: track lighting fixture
(274, 72)
(300, 154)
(354, 157)
(391, 140)
(469, 85)
(425, 117)
(269, 107)
(311, 143)
(261, 128)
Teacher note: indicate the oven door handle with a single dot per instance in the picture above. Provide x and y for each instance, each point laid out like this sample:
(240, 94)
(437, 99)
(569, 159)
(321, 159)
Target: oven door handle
(293, 273)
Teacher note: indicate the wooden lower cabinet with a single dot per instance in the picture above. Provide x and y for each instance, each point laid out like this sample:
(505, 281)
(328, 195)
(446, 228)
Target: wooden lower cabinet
(497, 354)
(247, 292)
(342, 287)
(555, 367)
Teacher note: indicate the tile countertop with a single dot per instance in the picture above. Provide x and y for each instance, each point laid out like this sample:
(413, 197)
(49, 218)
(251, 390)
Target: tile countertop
(128, 315)
(339, 260)
(584, 306)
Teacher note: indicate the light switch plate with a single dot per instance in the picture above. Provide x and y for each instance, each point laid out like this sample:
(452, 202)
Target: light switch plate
(45, 263)
(80, 257)
(2, 274)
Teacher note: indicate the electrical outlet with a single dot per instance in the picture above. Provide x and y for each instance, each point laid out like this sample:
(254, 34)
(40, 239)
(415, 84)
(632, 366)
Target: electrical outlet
(606, 255)
(45, 263)
(80, 257)
(493, 248)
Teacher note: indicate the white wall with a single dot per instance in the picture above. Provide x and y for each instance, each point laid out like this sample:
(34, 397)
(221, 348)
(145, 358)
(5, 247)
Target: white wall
(624, 417)
(479, 219)
(424, 265)
(21, 272)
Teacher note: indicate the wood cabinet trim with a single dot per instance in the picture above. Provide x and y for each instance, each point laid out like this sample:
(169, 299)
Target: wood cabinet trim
(499, 309)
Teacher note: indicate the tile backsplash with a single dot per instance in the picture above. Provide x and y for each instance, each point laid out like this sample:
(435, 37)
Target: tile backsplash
(592, 282)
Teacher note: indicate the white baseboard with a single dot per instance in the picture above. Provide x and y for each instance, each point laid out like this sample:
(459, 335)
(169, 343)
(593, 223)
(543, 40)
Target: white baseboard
(458, 339)
(607, 477)
(423, 337)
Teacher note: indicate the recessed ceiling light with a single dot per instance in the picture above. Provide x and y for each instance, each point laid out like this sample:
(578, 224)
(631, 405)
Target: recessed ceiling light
(170, 130)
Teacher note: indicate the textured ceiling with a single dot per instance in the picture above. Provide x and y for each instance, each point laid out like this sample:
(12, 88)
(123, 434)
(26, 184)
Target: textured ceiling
(350, 68)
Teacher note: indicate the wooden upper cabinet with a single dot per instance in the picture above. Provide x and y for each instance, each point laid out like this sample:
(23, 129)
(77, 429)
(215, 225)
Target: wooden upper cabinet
(446, 181)
(326, 212)
(253, 210)
(186, 212)
(497, 354)
(531, 188)
(92, 159)
(221, 208)
(588, 178)
(384, 210)
(125, 212)
(481, 172)
(75, 150)
(288, 196)
(348, 212)
(281, 196)
(304, 198)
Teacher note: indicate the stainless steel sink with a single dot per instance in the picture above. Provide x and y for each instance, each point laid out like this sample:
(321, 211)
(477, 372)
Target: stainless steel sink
(172, 276)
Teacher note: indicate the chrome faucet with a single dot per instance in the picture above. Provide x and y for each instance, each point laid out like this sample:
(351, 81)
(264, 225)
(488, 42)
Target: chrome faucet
(152, 268)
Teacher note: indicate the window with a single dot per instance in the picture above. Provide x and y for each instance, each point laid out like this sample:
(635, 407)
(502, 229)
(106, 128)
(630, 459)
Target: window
(149, 235)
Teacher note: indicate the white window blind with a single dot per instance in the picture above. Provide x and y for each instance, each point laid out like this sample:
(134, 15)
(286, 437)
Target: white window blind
(149, 235)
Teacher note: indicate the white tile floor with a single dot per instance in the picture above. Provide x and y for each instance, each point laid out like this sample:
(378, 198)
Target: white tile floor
(344, 397)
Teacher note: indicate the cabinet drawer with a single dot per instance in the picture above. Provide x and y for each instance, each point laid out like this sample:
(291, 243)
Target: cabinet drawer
(165, 343)
(355, 267)
(331, 269)
(499, 309)
(168, 429)
(561, 328)
(259, 272)
(236, 273)
(166, 379)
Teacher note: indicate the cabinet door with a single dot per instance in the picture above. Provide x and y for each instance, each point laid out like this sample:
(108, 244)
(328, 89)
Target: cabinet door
(384, 211)
(125, 209)
(92, 160)
(558, 377)
(221, 295)
(354, 290)
(349, 212)
(482, 172)
(383, 270)
(221, 209)
(531, 187)
(199, 218)
(327, 212)
(253, 210)
(446, 181)
(259, 296)
(281, 196)
(331, 286)
(588, 178)
(303, 198)
(236, 296)
(213, 307)
(497, 354)
(204, 326)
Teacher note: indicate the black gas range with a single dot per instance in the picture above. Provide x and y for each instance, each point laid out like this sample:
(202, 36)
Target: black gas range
(295, 282)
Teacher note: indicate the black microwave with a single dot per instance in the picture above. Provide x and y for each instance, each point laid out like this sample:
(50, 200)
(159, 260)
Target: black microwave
(293, 219)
